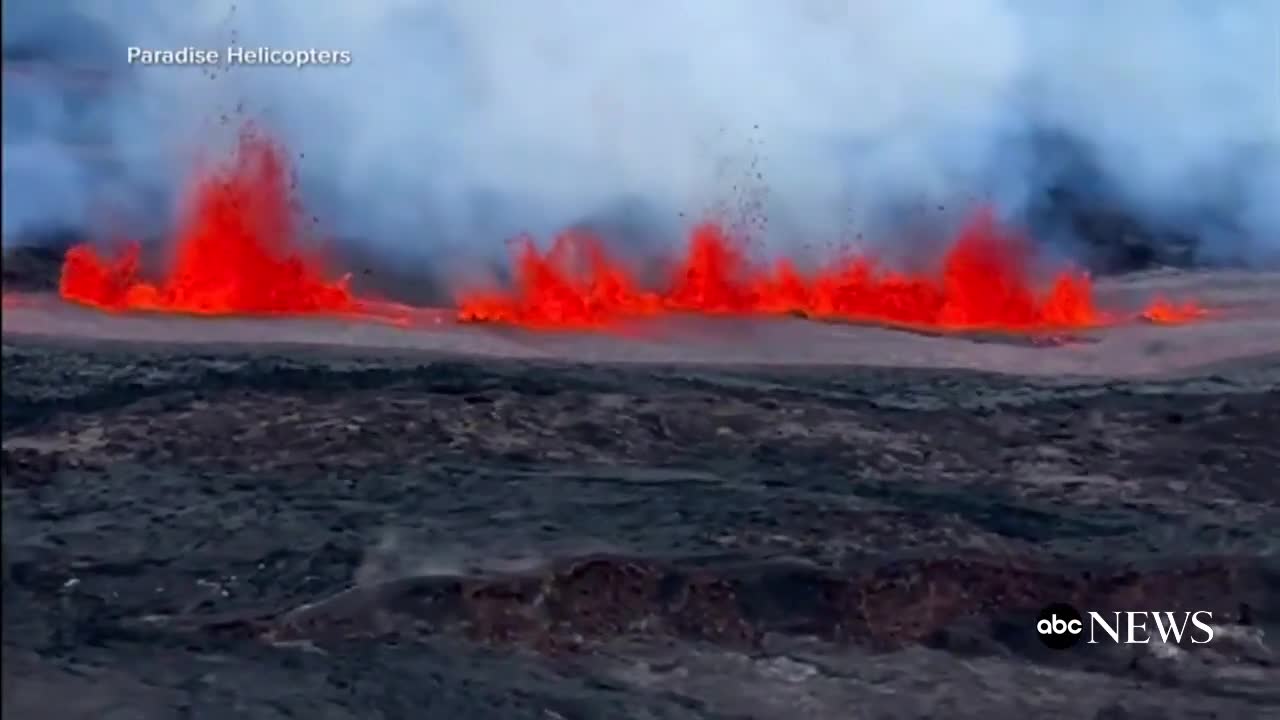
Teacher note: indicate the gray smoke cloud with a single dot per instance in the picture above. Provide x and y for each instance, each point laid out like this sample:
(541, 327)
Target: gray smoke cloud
(460, 123)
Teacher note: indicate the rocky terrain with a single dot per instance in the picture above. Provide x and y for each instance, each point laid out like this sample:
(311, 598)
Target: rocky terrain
(772, 520)
(201, 532)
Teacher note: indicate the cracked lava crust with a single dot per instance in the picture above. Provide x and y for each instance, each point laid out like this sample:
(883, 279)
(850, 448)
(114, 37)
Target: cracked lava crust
(339, 534)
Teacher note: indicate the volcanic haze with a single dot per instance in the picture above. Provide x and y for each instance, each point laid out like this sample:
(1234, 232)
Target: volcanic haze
(460, 124)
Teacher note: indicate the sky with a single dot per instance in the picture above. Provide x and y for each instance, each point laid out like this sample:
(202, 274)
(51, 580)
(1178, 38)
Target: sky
(461, 123)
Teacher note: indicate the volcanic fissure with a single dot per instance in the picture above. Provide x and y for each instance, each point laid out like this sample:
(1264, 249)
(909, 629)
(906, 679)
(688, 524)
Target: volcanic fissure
(239, 249)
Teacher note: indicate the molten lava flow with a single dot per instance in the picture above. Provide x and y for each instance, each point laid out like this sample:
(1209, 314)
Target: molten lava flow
(236, 252)
(1164, 312)
(982, 284)
(575, 285)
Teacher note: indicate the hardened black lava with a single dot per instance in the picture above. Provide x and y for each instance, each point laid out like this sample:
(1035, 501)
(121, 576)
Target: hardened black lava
(215, 534)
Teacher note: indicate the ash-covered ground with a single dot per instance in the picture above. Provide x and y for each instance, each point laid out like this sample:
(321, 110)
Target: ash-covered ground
(422, 528)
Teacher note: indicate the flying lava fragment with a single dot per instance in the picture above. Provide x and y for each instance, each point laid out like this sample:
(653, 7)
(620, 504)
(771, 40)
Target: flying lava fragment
(237, 250)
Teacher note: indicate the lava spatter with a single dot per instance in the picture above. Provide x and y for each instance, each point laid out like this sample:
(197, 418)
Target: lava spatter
(984, 282)
(237, 251)
(575, 285)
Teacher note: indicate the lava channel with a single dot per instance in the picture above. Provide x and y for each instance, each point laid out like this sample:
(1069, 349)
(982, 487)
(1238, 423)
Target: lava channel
(984, 283)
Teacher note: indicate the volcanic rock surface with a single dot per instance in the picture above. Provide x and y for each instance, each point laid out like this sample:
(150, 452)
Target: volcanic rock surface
(207, 520)
(241, 530)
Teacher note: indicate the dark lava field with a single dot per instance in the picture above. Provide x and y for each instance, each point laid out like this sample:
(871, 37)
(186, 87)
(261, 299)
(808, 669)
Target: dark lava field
(197, 533)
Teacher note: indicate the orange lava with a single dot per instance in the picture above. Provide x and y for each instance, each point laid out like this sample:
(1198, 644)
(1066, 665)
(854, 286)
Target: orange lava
(237, 251)
(1164, 312)
(983, 283)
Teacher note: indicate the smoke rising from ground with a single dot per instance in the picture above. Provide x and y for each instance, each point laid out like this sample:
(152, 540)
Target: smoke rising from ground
(461, 123)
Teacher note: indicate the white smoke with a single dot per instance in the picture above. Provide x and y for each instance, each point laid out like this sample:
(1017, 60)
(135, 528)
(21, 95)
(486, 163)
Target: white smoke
(462, 122)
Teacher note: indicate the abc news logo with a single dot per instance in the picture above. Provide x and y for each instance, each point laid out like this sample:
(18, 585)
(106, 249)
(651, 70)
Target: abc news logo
(1061, 626)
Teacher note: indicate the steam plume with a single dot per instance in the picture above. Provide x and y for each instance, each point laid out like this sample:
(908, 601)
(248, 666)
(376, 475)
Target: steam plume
(462, 122)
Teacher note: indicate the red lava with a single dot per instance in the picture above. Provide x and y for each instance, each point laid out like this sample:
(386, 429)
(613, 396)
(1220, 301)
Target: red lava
(1164, 312)
(238, 250)
(983, 283)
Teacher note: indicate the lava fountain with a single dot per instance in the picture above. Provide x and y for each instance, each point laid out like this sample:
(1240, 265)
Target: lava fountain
(237, 251)
(984, 282)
